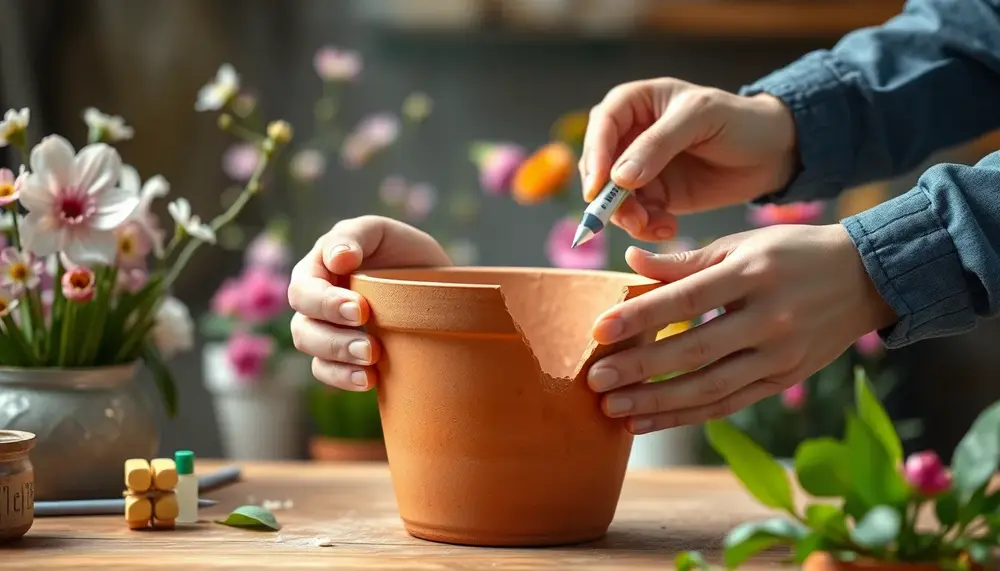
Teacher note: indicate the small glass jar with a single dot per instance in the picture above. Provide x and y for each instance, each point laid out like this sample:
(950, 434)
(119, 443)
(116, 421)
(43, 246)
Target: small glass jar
(17, 484)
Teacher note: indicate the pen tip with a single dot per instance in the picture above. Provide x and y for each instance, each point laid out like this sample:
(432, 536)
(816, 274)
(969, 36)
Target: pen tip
(583, 234)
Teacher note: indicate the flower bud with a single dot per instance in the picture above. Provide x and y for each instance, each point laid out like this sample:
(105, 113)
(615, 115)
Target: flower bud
(280, 132)
(794, 397)
(925, 472)
(225, 121)
(78, 285)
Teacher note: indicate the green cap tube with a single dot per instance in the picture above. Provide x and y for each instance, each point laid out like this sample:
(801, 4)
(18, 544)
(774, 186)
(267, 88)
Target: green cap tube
(184, 459)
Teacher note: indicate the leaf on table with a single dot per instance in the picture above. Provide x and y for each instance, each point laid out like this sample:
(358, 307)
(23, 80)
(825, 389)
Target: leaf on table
(976, 456)
(251, 517)
(871, 412)
(878, 528)
(690, 560)
(760, 473)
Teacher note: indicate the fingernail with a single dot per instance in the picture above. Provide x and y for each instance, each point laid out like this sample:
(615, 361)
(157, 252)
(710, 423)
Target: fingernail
(641, 425)
(642, 252)
(610, 329)
(361, 350)
(350, 311)
(664, 234)
(617, 405)
(359, 378)
(627, 171)
(602, 378)
(630, 223)
(339, 248)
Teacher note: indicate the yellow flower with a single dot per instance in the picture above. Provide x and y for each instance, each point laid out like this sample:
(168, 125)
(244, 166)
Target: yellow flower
(673, 329)
(543, 174)
(571, 128)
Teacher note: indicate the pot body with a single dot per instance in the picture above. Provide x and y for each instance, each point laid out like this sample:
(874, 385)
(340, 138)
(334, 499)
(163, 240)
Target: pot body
(261, 420)
(87, 423)
(485, 448)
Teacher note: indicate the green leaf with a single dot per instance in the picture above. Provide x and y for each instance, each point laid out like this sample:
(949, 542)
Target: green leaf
(808, 545)
(821, 466)
(214, 326)
(875, 477)
(828, 520)
(878, 528)
(761, 474)
(872, 413)
(976, 456)
(946, 508)
(251, 517)
(980, 552)
(973, 507)
(163, 377)
(690, 560)
(752, 537)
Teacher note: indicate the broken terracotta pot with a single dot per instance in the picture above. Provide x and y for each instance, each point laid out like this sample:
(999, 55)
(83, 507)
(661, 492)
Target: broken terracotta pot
(492, 435)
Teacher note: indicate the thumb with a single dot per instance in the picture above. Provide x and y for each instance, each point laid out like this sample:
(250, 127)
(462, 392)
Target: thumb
(378, 242)
(680, 127)
(672, 267)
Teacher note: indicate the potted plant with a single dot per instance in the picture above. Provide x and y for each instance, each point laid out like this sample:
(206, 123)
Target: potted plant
(85, 296)
(869, 500)
(250, 365)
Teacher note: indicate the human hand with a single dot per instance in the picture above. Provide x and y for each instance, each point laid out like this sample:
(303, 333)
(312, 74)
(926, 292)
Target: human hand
(328, 314)
(684, 148)
(796, 297)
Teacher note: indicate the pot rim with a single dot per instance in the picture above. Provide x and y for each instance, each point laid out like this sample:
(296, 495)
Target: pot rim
(104, 376)
(385, 275)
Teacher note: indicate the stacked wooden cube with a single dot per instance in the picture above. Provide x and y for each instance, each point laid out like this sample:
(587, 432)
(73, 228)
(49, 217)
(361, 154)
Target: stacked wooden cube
(149, 495)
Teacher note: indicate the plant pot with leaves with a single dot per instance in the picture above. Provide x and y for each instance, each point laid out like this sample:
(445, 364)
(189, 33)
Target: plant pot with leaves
(346, 425)
(85, 297)
(874, 511)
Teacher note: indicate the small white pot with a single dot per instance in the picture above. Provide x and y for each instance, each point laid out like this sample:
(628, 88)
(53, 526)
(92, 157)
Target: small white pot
(670, 447)
(260, 421)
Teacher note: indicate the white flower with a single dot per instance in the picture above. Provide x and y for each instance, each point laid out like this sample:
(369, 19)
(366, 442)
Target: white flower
(155, 187)
(111, 127)
(7, 302)
(13, 125)
(74, 203)
(173, 328)
(220, 91)
(180, 210)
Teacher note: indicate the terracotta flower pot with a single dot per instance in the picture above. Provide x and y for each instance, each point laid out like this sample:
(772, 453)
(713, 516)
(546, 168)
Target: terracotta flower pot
(822, 561)
(327, 449)
(492, 435)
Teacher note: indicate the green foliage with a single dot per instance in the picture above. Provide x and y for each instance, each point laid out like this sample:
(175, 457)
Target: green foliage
(874, 509)
(344, 414)
(251, 517)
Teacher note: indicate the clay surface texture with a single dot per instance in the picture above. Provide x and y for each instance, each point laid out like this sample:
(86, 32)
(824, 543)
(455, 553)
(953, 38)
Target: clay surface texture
(492, 435)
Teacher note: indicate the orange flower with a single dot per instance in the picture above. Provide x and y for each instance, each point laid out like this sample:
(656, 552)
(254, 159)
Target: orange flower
(543, 174)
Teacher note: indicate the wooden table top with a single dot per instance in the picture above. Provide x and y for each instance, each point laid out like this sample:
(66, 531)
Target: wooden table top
(352, 508)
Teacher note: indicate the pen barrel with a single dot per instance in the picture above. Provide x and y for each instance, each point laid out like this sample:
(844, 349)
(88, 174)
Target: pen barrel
(607, 202)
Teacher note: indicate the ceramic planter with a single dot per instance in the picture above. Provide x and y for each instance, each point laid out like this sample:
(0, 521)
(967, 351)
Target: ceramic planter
(262, 419)
(87, 422)
(492, 435)
(822, 561)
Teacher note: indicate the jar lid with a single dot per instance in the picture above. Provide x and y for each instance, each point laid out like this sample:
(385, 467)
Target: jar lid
(16, 441)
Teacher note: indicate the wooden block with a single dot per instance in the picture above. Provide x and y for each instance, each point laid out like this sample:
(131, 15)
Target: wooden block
(138, 524)
(166, 507)
(163, 524)
(138, 508)
(164, 474)
(138, 477)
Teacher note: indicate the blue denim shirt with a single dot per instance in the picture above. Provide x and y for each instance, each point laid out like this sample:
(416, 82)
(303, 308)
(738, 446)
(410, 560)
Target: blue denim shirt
(877, 105)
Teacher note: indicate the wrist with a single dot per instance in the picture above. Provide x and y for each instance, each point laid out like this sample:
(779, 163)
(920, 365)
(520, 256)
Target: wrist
(783, 132)
(873, 311)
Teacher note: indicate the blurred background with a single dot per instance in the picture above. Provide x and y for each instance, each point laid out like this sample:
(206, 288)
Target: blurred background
(425, 109)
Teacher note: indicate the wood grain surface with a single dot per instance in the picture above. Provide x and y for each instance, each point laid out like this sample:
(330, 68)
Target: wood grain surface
(344, 517)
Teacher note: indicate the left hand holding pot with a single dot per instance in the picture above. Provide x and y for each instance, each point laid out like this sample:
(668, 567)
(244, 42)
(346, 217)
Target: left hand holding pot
(796, 297)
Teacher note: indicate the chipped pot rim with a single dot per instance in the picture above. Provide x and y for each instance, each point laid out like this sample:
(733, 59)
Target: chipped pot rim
(16, 442)
(388, 275)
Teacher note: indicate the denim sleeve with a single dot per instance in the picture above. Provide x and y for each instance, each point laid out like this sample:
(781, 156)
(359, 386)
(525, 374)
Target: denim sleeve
(934, 252)
(883, 99)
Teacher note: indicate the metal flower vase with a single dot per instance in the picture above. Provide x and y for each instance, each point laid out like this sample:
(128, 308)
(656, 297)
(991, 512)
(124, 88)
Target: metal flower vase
(87, 421)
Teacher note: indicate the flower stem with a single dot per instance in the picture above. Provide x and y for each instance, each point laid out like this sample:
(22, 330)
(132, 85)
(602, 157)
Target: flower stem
(15, 230)
(69, 322)
(22, 342)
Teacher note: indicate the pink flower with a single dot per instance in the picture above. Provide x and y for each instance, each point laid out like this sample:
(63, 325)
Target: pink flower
(497, 167)
(592, 255)
(240, 161)
(420, 201)
(263, 295)
(925, 472)
(227, 299)
(268, 251)
(372, 135)
(870, 345)
(392, 191)
(332, 64)
(78, 284)
(794, 397)
(248, 354)
(794, 213)
(10, 188)
(308, 165)
(132, 280)
(134, 244)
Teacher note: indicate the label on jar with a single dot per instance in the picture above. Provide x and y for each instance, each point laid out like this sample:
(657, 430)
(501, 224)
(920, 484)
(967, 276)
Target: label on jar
(17, 500)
